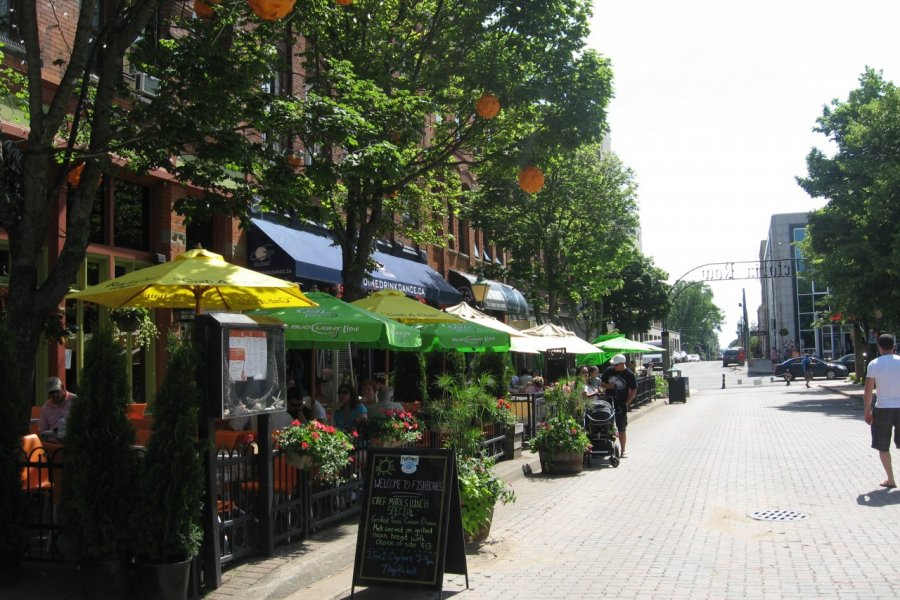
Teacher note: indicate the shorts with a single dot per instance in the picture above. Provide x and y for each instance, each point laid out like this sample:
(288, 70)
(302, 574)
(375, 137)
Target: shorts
(621, 417)
(883, 420)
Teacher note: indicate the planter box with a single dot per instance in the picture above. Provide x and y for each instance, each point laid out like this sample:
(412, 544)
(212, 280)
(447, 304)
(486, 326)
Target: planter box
(561, 463)
(514, 437)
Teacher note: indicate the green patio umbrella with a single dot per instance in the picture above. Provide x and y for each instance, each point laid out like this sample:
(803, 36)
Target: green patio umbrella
(464, 336)
(335, 323)
(612, 344)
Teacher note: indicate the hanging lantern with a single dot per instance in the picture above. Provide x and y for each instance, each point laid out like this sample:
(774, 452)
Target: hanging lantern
(488, 106)
(271, 10)
(344, 2)
(74, 176)
(203, 9)
(531, 179)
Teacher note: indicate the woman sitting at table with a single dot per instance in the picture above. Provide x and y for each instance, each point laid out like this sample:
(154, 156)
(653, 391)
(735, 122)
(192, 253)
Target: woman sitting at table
(350, 412)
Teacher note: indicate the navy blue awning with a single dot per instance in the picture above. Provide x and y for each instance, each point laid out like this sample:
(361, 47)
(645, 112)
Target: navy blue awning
(500, 296)
(280, 251)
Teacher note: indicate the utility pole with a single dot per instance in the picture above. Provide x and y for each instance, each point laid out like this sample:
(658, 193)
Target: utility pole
(746, 326)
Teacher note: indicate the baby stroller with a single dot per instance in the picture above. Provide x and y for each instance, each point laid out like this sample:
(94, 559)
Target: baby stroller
(600, 425)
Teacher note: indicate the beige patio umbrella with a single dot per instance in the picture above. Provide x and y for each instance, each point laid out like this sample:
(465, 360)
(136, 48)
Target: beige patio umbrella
(197, 279)
(549, 336)
(518, 341)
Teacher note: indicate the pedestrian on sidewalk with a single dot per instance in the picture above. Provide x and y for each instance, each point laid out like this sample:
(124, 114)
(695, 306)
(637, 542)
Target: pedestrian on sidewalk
(807, 368)
(883, 374)
(620, 381)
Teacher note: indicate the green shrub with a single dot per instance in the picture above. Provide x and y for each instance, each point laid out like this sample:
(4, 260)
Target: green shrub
(662, 386)
(408, 377)
(480, 489)
(171, 484)
(495, 365)
(99, 470)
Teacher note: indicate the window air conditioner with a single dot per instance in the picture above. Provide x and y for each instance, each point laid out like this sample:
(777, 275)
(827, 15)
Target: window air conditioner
(146, 84)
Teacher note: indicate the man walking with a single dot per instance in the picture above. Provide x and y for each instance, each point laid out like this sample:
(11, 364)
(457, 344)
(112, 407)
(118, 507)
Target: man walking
(621, 382)
(807, 368)
(883, 373)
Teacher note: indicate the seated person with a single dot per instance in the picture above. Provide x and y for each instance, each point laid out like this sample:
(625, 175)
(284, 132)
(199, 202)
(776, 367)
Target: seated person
(384, 391)
(56, 408)
(536, 386)
(294, 412)
(351, 412)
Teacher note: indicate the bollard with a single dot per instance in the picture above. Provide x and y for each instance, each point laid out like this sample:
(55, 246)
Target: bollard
(723, 381)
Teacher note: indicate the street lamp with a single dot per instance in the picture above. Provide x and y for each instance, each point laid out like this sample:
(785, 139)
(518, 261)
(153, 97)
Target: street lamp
(480, 290)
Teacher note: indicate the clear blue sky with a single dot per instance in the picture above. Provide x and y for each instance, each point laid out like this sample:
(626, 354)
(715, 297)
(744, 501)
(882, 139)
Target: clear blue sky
(714, 108)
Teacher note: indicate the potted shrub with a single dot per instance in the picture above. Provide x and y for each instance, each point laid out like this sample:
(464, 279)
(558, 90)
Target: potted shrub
(394, 428)
(561, 441)
(99, 483)
(316, 445)
(480, 490)
(168, 532)
(409, 377)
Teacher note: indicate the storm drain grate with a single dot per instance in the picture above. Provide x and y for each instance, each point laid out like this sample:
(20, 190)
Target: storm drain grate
(777, 515)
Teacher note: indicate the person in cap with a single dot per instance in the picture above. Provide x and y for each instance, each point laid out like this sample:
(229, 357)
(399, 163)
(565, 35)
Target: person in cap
(56, 408)
(621, 383)
(384, 391)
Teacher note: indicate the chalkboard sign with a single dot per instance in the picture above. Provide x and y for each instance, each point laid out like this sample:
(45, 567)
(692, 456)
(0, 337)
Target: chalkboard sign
(410, 528)
(556, 364)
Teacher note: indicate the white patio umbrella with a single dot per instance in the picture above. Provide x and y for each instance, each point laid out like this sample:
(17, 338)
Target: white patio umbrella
(549, 336)
(518, 341)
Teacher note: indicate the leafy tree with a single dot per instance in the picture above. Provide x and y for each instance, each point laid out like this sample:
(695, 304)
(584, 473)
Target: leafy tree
(570, 241)
(852, 242)
(694, 314)
(642, 298)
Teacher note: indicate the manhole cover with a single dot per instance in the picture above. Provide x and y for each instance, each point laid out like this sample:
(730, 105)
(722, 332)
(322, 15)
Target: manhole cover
(777, 515)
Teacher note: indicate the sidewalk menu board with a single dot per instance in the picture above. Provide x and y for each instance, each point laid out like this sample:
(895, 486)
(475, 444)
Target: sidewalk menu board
(410, 529)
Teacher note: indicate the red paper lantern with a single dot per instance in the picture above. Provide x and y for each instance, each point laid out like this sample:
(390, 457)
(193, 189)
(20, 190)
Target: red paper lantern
(488, 106)
(271, 10)
(204, 10)
(531, 179)
(74, 176)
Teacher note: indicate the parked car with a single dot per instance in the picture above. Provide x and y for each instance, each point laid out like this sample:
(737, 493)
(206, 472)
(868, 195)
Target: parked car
(693, 358)
(792, 368)
(652, 361)
(849, 361)
(732, 356)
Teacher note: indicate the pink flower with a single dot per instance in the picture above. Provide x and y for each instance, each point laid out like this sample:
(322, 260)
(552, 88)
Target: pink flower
(295, 423)
(304, 446)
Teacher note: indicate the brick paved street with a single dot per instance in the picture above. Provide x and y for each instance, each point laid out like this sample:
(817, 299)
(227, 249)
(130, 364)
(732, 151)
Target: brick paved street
(671, 521)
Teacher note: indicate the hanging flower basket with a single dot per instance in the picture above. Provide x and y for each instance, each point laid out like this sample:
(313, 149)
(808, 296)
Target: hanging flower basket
(299, 461)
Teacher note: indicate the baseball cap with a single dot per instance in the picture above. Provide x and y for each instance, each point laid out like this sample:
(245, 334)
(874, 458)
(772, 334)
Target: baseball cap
(618, 359)
(53, 384)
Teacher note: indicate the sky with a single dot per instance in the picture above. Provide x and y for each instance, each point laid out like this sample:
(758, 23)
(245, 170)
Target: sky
(714, 108)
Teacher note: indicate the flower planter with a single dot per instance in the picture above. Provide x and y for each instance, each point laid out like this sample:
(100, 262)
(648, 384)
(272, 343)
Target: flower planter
(482, 534)
(162, 581)
(299, 461)
(561, 463)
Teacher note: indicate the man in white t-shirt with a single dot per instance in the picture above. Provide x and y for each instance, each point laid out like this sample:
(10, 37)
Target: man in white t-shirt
(883, 373)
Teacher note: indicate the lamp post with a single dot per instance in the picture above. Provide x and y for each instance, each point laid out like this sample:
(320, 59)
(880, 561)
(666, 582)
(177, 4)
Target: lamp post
(480, 290)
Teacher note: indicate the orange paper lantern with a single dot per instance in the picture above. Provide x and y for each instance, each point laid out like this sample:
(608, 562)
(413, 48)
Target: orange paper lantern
(344, 2)
(488, 106)
(204, 10)
(74, 176)
(271, 10)
(531, 179)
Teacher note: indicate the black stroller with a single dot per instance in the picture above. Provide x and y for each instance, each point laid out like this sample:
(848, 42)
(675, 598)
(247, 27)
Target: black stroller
(600, 425)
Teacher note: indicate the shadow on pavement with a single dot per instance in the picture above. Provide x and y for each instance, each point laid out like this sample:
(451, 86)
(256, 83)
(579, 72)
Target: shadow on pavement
(832, 407)
(879, 498)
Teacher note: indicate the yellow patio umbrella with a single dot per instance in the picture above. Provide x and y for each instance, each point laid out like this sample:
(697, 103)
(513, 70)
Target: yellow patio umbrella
(196, 279)
(397, 306)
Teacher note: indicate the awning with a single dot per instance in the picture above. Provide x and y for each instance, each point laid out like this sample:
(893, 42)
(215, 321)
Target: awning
(500, 296)
(294, 254)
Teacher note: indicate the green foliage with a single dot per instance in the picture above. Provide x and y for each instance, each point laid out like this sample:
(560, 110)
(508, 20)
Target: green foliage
(694, 314)
(171, 479)
(480, 489)
(135, 320)
(662, 386)
(496, 366)
(408, 377)
(571, 240)
(327, 446)
(642, 299)
(560, 433)
(463, 409)
(100, 491)
(852, 241)
(564, 398)
(395, 426)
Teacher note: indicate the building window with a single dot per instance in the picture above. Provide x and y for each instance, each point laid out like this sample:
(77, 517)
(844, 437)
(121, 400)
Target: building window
(200, 232)
(10, 36)
(132, 215)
